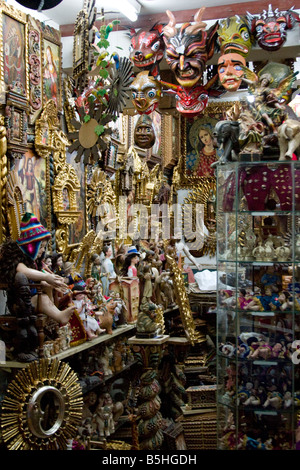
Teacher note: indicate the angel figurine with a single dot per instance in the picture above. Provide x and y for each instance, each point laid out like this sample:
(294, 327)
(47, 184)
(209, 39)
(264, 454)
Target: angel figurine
(270, 97)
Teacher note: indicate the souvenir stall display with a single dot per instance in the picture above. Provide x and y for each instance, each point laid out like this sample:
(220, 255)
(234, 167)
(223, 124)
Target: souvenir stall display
(149, 235)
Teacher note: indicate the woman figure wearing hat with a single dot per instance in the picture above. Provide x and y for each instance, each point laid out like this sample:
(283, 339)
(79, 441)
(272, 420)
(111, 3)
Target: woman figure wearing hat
(131, 260)
(20, 264)
(108, 271)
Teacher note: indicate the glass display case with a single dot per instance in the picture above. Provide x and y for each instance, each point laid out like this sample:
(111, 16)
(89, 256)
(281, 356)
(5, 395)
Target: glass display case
(258, 314)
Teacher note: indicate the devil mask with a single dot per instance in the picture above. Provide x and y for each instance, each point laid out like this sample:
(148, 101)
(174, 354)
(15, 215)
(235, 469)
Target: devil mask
(189, 48)
(270, 27)
(147, 48)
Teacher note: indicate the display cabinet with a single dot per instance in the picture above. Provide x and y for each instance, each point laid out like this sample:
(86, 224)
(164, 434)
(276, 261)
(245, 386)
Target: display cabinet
(258, 305)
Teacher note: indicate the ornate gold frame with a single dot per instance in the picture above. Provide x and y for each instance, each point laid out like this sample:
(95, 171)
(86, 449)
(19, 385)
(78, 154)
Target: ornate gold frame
(35, 68)
(53, 37)
(170, 138)
(16, 117)
(81, 49)
(199, 194)
(89, 245)
(3, 180)
(45, 127)
(66, 179)
(21, 17)
(23, 413)
(214, 110)
(15, 205)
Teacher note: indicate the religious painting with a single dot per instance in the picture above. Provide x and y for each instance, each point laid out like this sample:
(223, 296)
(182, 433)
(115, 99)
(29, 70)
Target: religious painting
(31, 173)
(14, 52)
(78, 229)
(52, 72)
(200, 150)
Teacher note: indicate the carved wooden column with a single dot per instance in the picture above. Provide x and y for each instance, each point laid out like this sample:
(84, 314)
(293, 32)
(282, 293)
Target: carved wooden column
(148, 353)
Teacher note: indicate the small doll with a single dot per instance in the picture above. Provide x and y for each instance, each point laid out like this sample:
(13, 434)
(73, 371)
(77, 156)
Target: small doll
(131, 261)
(260, 350)
(58, 265)
(80, 301)
(96, 266)
(274, 400)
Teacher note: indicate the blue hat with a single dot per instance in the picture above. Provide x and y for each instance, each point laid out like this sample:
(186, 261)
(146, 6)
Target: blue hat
(132, 250)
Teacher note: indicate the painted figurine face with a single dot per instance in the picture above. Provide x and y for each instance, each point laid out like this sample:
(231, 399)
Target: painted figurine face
(230, 71)
(144, 135)
(146, 93)
(189, 48)
(234, 36)
(147, 48)
(270, 27)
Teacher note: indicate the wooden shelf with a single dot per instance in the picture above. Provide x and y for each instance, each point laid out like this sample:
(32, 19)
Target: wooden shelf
(75, 349)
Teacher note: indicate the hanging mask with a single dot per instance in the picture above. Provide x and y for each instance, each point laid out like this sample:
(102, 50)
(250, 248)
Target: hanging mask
(146, 93)
(189, 48)
(230, 71)
(234, 36)
(144, 135)
(147, 48)
(270, 27)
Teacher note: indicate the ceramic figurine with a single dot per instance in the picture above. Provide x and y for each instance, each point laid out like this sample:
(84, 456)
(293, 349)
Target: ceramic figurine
(90, 323)
(268, 88)
(96, 266)
(283, 253)
(131, 261)
(146, 325)
(289, 139)
(108, 273)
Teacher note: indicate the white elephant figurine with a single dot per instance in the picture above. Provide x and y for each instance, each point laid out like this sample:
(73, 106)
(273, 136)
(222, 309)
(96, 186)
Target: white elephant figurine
(288, 138)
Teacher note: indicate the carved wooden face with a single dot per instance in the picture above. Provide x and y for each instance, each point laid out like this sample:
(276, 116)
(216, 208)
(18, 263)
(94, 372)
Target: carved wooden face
(230, 72)
(144, 135)
(146, 93)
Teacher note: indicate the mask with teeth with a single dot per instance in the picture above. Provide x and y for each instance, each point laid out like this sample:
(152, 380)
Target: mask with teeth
(234, 36)
(270, 27)
(146, 93)
(189, 48)
(147, 48)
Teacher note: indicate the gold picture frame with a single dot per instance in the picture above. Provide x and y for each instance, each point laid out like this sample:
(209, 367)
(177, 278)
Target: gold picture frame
(16, 120)
(14, 52)
(35, 68)
(81, 48)
(195, 163)
(52, 65)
